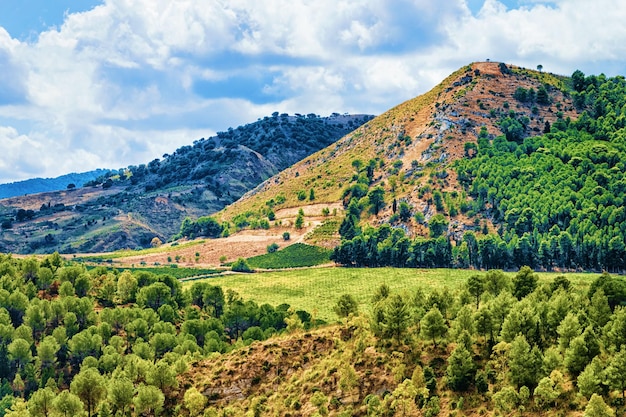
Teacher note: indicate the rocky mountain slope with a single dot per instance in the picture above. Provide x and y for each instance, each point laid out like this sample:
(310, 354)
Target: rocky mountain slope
(411, 149)
(129, 207)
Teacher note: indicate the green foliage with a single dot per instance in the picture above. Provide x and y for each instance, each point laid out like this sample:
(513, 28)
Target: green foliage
(433, 325)
(241, 265)
(396, 317)
(598, 408)
(346, 305)
(203, 227)
(524, 282)
(461, 370)
(299, 223)
(437, 225)
(292, 256)
(376, 199)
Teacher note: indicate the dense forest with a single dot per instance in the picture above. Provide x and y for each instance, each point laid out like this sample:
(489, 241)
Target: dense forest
(71, 338)
(105, 342)
(554, 200)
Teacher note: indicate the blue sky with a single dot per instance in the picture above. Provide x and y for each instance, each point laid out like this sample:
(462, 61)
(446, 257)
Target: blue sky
(105, 84)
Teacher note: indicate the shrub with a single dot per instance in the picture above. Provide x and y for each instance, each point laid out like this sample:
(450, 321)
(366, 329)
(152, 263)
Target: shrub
(272, 248)
(286, 236)
(241, 265)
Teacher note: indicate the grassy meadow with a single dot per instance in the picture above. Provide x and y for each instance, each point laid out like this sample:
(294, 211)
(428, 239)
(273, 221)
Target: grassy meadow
(316, 290)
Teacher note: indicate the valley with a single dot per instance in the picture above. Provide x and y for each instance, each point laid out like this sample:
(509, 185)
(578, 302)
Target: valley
(461, 254)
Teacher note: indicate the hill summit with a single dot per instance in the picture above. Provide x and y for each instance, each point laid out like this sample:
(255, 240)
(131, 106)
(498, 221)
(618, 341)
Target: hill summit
(497, 166)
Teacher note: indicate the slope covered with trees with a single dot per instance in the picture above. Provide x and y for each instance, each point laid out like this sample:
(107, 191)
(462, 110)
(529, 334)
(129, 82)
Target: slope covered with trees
(100, 342)
(548, 201)
(103, 342)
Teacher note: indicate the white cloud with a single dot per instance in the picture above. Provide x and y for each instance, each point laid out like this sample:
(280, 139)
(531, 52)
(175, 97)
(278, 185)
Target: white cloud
(128, 81)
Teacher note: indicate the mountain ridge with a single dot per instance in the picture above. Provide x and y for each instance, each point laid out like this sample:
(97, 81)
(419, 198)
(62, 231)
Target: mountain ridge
(129, 207)
(40, 185)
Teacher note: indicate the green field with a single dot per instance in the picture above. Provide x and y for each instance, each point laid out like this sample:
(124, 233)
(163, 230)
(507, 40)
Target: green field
(181, 273)
(316, 290)
(294, 256)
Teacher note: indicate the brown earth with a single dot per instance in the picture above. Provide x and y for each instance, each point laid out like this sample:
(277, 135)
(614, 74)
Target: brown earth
(244, 244)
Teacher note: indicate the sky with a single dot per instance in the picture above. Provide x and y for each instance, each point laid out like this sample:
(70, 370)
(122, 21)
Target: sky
(88, 84)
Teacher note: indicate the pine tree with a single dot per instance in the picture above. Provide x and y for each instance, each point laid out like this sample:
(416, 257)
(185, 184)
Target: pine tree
(396, 318)
(433, 325)
(461, 369)
(598, 408)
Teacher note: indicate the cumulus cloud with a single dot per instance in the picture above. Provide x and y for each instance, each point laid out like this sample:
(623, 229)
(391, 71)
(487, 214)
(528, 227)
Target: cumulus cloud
(126, 82)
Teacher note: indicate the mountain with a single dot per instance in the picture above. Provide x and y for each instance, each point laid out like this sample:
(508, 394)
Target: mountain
(496, 167)
(40, 185)
(129, 207)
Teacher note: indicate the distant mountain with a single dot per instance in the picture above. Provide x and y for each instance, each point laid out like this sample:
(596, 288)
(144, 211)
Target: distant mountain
(129, 207)
(40, 185)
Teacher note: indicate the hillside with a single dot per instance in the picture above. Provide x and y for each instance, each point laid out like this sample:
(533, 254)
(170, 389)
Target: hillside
(102, 341)
(476, 172)
(129, 207)
(40, 185)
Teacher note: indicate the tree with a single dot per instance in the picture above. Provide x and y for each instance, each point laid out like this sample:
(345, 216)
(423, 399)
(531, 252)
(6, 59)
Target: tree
(241, 265)
(126, 287)
(524, 363)
(437, 225)
(598, 408)
(162, 375)
(40, 403)
(120, 394)
(90, 387)
(476, 287)
(405, 211)
(590, 379)
(616, 372)
(149, 400)
(299, 224)
(18, 409)
(542, 95)
(273, 247)
(396, 317)
(576, 355)
(377, 199)
(496, 281)
(539, 67)
(461, 369)
(578, 80)
(546, 392)
(154, 295)
(568, 329)
(433, 325)
(346, 305)
(47, 357)
(194, 401)
(525, 282)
